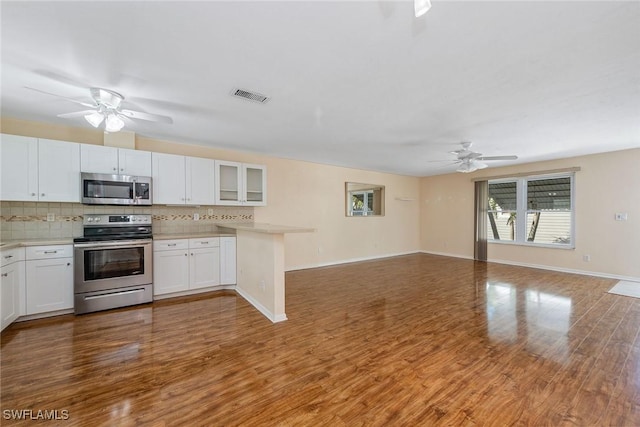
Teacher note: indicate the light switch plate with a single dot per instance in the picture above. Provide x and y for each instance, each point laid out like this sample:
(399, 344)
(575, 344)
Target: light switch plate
(51, 217)
(621, 216)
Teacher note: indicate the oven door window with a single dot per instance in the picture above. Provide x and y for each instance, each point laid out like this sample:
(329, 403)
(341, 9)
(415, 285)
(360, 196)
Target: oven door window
(108, 190)
(110, 263)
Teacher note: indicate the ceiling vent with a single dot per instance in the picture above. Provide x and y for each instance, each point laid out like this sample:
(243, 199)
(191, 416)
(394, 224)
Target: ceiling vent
(251, 96)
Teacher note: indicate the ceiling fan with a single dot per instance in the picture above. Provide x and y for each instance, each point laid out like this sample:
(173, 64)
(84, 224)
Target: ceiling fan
(106, 106)
(471, 161)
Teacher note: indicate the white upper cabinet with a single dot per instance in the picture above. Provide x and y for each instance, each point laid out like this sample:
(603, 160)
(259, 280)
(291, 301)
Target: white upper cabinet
(134, 162)
(39, 170)
(112, 160)
(180, 180)
(168, 174)
(19, 174)
(255, 184)
(240, 184)
(200, 177)
(58, 171)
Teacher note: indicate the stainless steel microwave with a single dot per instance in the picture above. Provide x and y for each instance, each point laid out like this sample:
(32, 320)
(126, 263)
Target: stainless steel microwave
(105, 189)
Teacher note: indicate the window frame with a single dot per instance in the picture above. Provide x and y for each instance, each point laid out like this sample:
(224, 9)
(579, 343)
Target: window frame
(522, 211)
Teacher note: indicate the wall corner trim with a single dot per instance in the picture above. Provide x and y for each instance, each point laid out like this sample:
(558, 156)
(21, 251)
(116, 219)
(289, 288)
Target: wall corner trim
(261, 308)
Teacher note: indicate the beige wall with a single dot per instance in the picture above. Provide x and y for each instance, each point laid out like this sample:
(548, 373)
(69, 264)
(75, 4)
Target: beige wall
(606, 184)
(51, 131)
(433, 214)
(300, 194)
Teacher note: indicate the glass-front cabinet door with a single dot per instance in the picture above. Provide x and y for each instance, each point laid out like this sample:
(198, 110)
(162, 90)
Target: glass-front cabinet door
(255, 185)
(241, 184)
(228, 183)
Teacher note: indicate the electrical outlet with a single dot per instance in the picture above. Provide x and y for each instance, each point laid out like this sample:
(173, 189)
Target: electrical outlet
(261, 285)
(621, 216)
(196, 217)
(586, 258)
(209, 212)
(51, 217)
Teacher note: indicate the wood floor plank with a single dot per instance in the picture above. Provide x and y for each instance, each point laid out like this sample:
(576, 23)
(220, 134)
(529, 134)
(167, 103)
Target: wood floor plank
(410, 340)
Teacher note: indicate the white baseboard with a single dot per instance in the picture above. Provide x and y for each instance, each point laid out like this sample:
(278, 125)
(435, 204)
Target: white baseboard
(447, 254)
(347, 261)
(497, 261)
(566, 270)
(194, 292)
(44, 315)
(261, 308)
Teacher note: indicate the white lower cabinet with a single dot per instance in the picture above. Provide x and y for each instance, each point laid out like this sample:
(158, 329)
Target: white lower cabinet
(170, 266)
(228, 260)
(11, 286)
(49, 278)
(204, 262)
(185, 264)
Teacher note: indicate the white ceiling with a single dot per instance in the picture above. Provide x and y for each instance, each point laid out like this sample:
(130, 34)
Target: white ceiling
(362, 84)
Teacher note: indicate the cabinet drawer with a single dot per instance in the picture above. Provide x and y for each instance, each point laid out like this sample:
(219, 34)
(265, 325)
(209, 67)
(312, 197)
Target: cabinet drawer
(169, 245)
(206, 242)
(8, 256)
(47, 252)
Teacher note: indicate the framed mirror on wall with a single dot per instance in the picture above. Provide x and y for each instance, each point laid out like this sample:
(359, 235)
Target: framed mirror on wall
(364, 199)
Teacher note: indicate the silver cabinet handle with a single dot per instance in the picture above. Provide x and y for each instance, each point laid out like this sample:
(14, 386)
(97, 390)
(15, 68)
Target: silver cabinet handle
(8, 256)
(172, 244)
(50, 252)
(42, 194)
(33, 194)
(115, 169)
(121, 169)
(5, 274)
(185, 254)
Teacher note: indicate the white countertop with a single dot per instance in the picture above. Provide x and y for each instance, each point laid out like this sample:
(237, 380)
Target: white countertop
(199, 235)
(10, 244)
(258, 227)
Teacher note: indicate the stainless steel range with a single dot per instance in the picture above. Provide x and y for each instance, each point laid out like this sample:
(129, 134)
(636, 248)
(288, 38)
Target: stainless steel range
(113, 262)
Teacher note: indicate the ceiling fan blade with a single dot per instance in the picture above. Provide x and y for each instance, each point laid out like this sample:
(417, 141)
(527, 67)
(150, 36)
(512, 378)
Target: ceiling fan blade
(76, 114)
(497, 158)
(146, 116)
(86, 104)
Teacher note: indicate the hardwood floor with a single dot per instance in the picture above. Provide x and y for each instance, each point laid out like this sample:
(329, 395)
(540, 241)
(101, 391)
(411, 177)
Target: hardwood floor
(411, 340)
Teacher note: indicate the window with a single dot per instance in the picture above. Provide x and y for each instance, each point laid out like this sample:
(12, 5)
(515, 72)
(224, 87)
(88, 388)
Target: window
(362, 203)
(364, 199)
(534, 210)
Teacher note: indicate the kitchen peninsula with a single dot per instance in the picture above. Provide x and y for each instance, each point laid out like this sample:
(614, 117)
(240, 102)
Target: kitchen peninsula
(261, 265)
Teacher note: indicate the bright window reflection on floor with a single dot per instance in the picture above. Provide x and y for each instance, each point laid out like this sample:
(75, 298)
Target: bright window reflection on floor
(547, 318)
(501, 312)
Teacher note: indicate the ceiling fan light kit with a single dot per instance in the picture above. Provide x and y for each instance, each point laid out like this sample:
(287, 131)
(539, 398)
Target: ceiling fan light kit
(94, 118)
(470, 161)
(421, 7)
(107, 108)
(113, 123)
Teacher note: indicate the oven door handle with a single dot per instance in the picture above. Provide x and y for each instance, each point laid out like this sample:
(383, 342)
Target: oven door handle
(113, 245)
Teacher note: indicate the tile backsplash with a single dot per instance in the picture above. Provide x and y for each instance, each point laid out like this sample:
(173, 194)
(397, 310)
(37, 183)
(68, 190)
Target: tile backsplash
(28, 220)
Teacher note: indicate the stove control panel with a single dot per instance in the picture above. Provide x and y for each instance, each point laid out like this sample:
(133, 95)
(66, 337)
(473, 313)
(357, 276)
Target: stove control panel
(115, 220)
